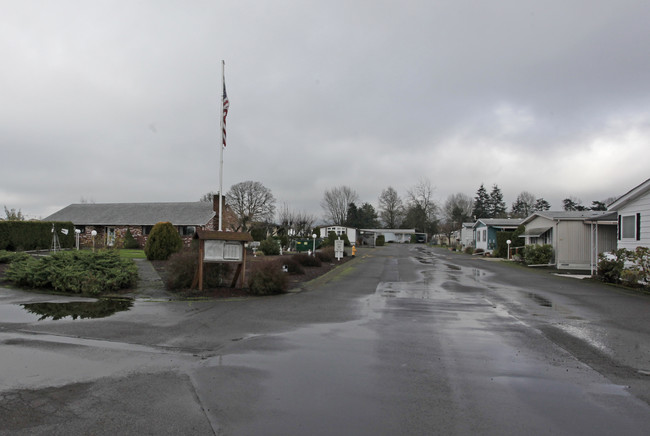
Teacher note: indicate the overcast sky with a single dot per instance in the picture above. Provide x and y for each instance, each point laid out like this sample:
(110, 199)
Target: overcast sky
(119, 101)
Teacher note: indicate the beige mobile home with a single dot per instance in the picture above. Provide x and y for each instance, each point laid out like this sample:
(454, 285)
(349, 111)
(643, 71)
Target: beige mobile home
(577, 237)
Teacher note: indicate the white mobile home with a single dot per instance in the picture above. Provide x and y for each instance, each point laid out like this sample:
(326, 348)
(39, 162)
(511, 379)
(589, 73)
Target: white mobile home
(633, 217)
(577, 237)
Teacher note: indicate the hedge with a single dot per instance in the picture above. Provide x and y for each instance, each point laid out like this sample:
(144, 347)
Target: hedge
(34, 235)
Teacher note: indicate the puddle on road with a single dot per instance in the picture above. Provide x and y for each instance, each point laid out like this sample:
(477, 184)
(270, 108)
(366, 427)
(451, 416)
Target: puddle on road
(544, 302)
(78, 309)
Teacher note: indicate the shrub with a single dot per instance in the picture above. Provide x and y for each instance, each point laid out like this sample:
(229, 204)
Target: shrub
(12, 256)
(610, 267)
(130, 242)
(326, 254)
(270, 247)
(268, 279)
(381, 240)
(307, 260)
(163, 241)
(77, 272)
(184, 265)
(469, 250)
(34, 235)
(538, 254)
(294, 267)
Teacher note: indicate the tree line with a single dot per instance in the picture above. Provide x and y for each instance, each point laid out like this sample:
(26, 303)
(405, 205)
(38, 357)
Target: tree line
(255, 207)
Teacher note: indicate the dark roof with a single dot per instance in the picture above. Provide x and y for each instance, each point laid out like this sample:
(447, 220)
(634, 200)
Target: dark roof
(223, 236)
(144, 214)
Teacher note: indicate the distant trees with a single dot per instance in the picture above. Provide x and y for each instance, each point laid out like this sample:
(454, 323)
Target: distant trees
(541, 205)
(458, 209)
(391, 208)
(489, 205)
(335, 203)
(421, 209)
(294, 223)
(251, 202)
(364, 217)
(481, 203)
(524, 205)
(14, 215)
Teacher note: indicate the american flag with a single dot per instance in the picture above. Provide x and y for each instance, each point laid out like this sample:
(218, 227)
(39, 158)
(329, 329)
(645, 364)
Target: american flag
(226, 104)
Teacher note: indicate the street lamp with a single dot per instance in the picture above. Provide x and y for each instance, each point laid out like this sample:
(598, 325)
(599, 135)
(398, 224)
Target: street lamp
(314, 237)
(508, 242)
(93, 233)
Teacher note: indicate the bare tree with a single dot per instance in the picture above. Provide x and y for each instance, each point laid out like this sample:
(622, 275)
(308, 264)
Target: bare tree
(421, 196)
(391, 208)
(421, 209)
(335, 204)
(458, 209)
(295, 223)
(252, 203)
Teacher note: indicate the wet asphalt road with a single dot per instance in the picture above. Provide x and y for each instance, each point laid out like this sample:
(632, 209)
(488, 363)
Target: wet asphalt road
(403, 340)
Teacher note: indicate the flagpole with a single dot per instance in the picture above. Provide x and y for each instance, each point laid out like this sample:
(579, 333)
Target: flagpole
(223, 87)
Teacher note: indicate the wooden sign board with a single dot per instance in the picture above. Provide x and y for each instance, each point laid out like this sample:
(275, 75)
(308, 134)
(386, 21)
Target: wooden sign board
(223, 251)
(222, 247)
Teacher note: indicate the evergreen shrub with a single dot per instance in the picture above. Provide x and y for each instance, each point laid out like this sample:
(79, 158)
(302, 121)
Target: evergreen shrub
(130, 243)
(381, 240)
(34, 235)
(163, 241)
(78, 272)
(538, 254)
(270, 247)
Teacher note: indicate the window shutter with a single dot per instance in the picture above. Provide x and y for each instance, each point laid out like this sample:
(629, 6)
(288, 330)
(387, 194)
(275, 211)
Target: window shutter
(638, 226)
(619, 227)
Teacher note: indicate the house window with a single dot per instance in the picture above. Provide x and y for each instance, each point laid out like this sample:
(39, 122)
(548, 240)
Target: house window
(186, 230)
(146, 230)
(629, 227)
(485, 235)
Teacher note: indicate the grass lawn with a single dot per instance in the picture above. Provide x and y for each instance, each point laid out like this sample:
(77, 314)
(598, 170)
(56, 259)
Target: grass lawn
(132, 254)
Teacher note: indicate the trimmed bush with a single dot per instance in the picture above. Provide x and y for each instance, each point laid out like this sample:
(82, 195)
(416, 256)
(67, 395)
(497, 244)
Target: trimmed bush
(78, 272)
(270, 247)
(183, 266)
(538, 254)
(130, 242)
(306, 260)
(469, 250)
(381, 240)
(34, 235)
(268, 279)
(163, 241)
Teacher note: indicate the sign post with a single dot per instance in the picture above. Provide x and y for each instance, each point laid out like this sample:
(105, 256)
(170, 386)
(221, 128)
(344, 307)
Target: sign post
(338, 248)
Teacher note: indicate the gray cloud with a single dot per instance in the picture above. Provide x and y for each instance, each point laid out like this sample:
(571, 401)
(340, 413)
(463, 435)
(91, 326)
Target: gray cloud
(119, 101)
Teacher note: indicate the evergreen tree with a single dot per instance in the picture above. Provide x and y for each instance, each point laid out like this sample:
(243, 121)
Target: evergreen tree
(541, 205)
(497, 207)
(481, 203)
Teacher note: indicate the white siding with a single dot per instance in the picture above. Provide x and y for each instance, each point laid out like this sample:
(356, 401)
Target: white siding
(642, 206)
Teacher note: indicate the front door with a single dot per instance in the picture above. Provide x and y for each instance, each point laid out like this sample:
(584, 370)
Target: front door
(110, 236)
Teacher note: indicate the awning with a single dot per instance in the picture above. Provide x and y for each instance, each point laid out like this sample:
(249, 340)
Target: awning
(535, 233)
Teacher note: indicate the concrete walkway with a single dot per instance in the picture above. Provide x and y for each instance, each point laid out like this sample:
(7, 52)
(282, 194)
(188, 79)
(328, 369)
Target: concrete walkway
(150, 285)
